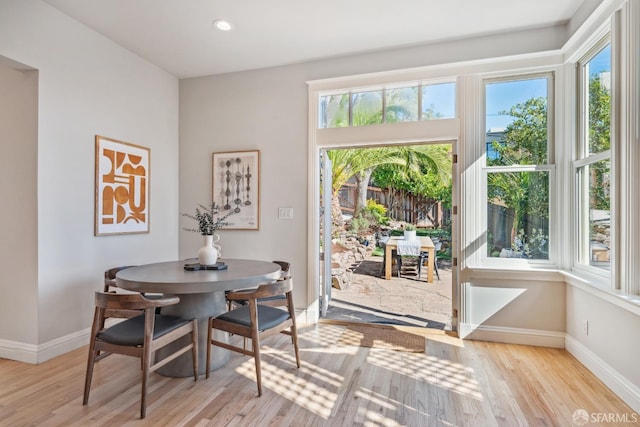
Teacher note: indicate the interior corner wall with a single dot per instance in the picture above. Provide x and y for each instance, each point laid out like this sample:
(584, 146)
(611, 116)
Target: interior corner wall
(88, 85)
(18, 217)
(604, 337)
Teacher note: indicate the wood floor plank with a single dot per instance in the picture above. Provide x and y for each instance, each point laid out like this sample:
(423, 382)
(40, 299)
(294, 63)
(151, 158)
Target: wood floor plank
(454, 382)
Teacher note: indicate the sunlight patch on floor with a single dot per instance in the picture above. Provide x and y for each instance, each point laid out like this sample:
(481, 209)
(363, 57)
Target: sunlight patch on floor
(449, 375)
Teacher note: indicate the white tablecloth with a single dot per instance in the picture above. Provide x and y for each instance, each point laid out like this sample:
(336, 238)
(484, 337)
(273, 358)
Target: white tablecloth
(409, 247)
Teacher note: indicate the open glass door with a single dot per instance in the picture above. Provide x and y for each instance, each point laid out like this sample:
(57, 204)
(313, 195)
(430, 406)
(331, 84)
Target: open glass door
(325, 232)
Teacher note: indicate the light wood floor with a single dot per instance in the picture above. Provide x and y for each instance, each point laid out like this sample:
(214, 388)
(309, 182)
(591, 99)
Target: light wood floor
(462, 383)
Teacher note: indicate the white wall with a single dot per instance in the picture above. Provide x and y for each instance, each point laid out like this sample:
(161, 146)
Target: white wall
(514, 307)
(19, 214)
(88, 85)
(267, 110)
(264, 110)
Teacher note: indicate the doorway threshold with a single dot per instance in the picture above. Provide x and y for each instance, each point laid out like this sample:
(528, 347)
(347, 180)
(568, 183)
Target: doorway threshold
(345, 311)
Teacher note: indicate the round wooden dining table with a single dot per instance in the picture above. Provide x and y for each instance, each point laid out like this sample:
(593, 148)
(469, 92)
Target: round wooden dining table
(202, 294)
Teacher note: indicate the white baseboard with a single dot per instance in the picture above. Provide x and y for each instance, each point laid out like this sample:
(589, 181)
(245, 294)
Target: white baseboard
(38, 353)
(535, 337)
(621, 386)
(14, 350)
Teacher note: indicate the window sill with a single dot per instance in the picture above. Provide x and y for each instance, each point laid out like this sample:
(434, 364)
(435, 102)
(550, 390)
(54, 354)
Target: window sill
(589, 283)
(598, 289)
(515, 272)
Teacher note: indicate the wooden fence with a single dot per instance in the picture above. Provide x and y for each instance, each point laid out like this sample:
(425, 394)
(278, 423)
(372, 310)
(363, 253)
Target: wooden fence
(401, 205)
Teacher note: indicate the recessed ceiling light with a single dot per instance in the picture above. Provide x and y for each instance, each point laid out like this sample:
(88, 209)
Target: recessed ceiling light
(223, 25)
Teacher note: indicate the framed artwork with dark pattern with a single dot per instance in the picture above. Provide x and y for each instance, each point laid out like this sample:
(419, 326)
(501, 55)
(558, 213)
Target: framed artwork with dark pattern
(236, 187)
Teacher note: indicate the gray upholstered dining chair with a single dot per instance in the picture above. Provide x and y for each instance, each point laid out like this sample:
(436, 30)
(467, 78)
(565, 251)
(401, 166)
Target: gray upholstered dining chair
(109, 285)
(274, 301)
(138, 336)
(110, 276)
(256, 321)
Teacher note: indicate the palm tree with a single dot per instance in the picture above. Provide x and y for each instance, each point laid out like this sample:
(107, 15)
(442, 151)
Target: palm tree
(361, 162)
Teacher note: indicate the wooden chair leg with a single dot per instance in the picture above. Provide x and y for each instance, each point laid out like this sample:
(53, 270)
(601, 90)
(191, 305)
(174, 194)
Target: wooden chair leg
(194, 349)
(146, 367)
(294, 336)
(209, 338)
(91, 360)
(255, 344)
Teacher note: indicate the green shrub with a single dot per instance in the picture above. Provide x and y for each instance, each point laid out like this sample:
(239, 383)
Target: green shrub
(376, 212)
(360, 225)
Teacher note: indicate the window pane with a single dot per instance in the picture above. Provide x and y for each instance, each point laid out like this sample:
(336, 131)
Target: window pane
(401, 104)
(598, 70)
(438, 101)
(367, 108)
(334, 111)
(596, 224)
(518, 215)
(516, 122)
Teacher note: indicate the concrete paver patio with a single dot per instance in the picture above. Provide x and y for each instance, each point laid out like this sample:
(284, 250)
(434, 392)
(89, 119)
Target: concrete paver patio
(405, 300)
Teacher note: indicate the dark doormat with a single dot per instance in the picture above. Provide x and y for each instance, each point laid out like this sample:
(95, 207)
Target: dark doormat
(380, 336)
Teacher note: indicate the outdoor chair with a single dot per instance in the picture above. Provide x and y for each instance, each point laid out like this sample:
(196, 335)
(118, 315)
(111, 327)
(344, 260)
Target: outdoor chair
(256, 321)
(424, 257)
(138, 336)
(408, 254)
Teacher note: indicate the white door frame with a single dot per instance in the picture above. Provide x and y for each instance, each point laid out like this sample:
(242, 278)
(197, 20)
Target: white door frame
(434, 131)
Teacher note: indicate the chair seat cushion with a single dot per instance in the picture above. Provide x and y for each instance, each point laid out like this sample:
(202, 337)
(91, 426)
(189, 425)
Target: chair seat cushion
(268, 317)
(131, 331)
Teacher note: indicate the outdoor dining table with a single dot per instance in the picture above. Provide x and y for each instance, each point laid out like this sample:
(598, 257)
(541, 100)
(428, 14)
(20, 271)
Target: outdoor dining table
(201, 293)
(426, 245)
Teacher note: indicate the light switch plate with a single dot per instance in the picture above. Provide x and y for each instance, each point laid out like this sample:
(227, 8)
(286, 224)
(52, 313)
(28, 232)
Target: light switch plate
(285, 213)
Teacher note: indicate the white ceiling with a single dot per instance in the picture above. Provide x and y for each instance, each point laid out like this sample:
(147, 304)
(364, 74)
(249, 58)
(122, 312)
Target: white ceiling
(178, 35)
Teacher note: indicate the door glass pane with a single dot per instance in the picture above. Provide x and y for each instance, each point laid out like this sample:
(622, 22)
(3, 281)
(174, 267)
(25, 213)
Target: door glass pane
(598, 70)
(401, 104)
(518, 215)
(367, 108)
(516, 122)
(438, 101)
(334, 111)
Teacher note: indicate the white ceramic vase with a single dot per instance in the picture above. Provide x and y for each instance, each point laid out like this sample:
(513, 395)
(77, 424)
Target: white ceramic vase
(409, 234)
(208, 254)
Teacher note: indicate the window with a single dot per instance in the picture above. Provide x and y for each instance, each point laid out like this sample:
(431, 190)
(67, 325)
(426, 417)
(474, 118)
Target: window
(401, 105)
(366, 108)
(334, 111)
(593, 164)
(438, 101)
(408, 103)
(519, 173)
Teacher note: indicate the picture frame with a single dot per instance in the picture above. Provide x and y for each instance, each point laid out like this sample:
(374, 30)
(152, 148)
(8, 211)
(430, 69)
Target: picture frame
(236, 186)
(122, 176)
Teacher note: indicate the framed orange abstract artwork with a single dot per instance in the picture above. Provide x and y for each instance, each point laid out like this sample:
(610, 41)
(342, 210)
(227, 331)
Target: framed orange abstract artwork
(122, 187)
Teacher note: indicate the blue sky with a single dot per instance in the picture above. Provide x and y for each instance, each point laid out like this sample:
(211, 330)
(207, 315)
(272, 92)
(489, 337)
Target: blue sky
(501, 96)
(442, 97)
